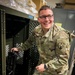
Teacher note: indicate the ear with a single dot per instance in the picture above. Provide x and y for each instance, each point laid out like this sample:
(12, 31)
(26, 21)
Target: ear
(38, 19)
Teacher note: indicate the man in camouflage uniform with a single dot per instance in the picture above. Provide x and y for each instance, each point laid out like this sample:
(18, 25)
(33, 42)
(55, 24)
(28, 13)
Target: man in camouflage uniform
(53, 44)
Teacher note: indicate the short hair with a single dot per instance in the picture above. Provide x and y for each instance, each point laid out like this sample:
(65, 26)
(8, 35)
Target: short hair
(44, 7)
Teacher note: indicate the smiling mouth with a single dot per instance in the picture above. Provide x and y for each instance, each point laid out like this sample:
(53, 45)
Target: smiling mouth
(47, 23)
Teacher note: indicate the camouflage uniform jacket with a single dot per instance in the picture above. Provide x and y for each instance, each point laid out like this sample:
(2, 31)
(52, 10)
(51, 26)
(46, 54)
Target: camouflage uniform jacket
(53, 47)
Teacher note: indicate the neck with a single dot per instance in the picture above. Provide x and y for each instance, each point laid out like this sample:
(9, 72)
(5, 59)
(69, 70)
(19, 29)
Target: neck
(45, 31)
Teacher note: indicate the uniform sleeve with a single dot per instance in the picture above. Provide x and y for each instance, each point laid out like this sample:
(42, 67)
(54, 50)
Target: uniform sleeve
(60, 61)
(28, 43)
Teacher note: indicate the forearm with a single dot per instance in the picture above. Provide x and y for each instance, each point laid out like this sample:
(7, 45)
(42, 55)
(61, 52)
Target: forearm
(27, 44)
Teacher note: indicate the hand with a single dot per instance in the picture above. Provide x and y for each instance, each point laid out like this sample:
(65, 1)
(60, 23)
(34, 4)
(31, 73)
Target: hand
(40, 68)
(14, 49)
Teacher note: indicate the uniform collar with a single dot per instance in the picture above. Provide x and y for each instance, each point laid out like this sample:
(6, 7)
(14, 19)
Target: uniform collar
(40, 31)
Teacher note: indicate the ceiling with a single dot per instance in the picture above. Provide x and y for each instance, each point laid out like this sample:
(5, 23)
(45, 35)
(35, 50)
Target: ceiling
(52, 3)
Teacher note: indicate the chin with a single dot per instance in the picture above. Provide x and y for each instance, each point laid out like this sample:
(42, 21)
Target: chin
(47, 28)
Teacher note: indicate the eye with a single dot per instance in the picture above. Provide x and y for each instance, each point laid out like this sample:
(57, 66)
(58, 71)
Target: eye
(42, 17)
(45, 16)
(49, 16)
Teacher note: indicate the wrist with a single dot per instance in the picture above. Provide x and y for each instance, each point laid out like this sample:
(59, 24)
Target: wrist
(45, 67)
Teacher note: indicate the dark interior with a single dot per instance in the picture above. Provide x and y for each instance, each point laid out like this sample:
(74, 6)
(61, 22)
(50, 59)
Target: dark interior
(14, 24)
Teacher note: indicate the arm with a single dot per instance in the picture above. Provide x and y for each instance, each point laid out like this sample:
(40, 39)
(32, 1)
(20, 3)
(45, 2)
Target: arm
(60, 62)
(26, 45)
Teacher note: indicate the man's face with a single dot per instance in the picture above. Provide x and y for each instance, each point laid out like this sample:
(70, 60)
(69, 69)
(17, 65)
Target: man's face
(46, 18)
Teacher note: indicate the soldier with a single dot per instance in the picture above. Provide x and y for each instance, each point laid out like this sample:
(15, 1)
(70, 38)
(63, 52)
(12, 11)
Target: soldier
(53, 44)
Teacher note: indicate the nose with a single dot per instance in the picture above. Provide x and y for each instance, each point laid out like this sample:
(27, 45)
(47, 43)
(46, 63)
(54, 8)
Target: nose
(46, 18)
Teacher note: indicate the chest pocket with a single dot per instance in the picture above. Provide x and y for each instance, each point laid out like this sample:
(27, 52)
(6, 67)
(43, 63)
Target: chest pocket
(52, 45)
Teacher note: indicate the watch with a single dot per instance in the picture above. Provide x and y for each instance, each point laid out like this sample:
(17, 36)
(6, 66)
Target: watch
(45, 67)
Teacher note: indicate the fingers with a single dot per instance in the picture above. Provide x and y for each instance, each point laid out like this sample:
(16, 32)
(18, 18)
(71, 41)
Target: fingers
(39, 69)
(14, 49)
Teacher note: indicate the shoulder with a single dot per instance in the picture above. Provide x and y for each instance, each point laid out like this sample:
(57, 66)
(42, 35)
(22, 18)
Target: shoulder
(37, 29)
(61, 32)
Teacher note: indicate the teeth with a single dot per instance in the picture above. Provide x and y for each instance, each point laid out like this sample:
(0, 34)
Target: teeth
(46, 23)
